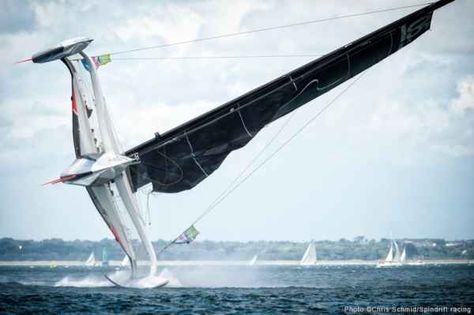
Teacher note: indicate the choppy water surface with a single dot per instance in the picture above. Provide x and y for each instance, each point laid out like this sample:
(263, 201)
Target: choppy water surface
(238, 290)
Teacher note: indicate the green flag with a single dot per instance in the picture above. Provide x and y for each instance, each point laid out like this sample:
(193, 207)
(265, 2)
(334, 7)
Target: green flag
(187, 236)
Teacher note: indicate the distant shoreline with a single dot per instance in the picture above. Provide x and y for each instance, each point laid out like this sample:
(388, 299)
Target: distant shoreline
(116, 263)
(345, 251)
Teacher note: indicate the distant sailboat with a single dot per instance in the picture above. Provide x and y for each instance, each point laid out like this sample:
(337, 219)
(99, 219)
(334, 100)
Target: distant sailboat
(91, 260)
(253, 261)
(309, 257)
(411, 262)
(393, 258)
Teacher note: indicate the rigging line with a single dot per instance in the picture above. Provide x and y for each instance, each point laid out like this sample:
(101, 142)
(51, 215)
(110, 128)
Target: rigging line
(210, 207)
(305, 125)
(202, 39)
(251, 162)
(247, 167)
(219, 57)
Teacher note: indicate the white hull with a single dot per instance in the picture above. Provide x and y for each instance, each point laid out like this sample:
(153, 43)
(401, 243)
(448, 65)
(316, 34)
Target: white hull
(388, 264)
(101, 168)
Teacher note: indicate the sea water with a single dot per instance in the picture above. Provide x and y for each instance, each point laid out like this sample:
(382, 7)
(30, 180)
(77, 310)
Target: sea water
(243, 290)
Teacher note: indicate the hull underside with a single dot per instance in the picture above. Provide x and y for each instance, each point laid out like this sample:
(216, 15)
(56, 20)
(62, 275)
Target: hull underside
(107, 182)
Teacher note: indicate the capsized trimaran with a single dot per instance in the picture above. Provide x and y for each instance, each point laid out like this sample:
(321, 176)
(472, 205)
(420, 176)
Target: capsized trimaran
(182, 157)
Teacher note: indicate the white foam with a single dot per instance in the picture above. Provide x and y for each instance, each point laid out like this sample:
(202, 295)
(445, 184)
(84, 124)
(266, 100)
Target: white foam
(172, 280)
(86, 282)
(121, 277)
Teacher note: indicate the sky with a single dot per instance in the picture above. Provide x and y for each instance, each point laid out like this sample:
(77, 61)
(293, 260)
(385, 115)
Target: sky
(394, 154)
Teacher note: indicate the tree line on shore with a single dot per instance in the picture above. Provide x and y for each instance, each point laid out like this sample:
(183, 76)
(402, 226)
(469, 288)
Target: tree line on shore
(343, 249)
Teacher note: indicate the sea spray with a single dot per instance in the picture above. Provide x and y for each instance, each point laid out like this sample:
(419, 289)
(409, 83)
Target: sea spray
(89, 281)
(173, 281)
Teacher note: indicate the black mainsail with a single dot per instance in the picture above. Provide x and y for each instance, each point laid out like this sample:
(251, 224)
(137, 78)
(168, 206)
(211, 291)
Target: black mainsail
(184, 156)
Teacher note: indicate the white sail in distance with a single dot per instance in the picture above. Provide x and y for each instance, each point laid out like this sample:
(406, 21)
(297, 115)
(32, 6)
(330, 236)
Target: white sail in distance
(403, 257)
(91, 260)
(309, 257)
(253, 261)
(389, 257)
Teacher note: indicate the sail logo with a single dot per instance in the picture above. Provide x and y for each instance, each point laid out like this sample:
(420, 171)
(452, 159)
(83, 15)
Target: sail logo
(411, 31)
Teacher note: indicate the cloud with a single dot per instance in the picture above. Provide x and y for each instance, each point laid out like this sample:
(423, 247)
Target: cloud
(164, 23)
(445, 127)
(416, 105)
(16, 16)
(158, 118)
(464, 103)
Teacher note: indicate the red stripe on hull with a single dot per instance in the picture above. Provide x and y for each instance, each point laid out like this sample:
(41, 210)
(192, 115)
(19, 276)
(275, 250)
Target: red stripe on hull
(74, 104)
(114, 232)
